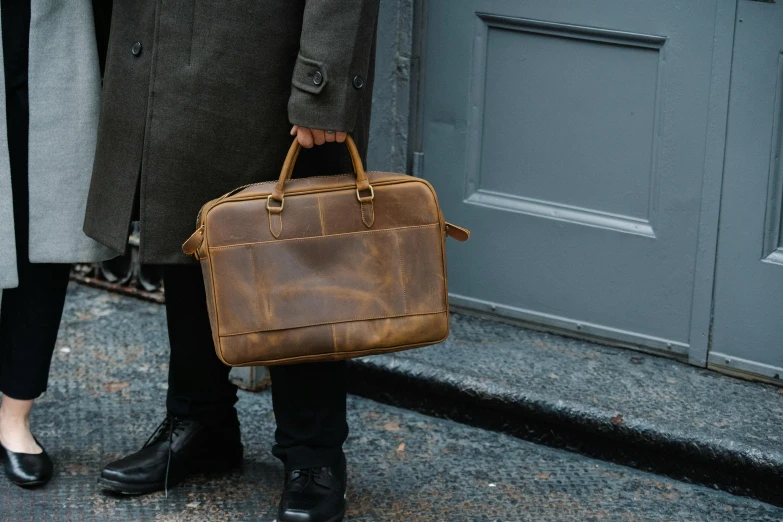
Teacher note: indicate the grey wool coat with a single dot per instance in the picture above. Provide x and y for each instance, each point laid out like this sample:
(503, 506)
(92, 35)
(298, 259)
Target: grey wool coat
(64, 91)
(199, 98)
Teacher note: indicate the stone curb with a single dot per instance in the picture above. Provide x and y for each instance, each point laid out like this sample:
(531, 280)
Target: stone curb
(719, 463)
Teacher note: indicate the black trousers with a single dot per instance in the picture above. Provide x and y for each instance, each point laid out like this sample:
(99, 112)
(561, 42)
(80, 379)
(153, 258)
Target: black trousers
(29, 314)
(308, 399)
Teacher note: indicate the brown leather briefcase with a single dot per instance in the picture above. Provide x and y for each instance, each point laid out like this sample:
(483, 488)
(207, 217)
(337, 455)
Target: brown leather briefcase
(324, 268)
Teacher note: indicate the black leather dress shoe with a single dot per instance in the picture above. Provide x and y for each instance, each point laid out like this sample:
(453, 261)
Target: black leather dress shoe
(177, 449)
(314, 495)
(28, 470)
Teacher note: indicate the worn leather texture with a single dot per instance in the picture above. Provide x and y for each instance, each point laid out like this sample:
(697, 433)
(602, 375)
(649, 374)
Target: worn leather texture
(324, 268)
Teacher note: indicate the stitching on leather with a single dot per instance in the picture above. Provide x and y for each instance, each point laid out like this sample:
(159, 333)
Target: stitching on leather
(215, 335)
(273, 182)
(372, 214)
(279, 216)
(338, 356)
(337, 321)
(231, 197)
(209, 289)
(402, 271)
(289, 180)
(238, 245)
(399, 178)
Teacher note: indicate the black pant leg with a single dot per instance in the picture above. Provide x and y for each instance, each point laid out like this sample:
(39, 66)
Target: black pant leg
(29, 314)
(29, 321)
(310, 408)
(309, 399)
(198, 382)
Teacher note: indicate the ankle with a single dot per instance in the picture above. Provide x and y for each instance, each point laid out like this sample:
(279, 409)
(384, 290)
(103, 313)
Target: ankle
(14, 424)
(14, 416)
(14, 419)
(16, 408)
(16, 436)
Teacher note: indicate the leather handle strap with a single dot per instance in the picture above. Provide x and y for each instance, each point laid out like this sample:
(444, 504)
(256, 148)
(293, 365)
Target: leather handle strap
(362, 183)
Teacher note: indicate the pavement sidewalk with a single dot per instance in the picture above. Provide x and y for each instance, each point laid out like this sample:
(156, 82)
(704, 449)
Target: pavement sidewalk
(640, 410)
(107, 392)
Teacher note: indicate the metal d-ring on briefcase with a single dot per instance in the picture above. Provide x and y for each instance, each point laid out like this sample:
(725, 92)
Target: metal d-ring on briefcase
(324, 268)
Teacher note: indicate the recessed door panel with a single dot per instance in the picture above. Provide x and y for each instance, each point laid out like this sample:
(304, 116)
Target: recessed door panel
(570, 138)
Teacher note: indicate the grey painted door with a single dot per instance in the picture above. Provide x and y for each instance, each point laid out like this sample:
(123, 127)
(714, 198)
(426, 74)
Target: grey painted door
(570, 137)
(748, 318)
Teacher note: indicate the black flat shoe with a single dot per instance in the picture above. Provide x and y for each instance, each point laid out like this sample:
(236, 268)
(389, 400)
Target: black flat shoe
(177, 449)
(28, 470)
(314, 495)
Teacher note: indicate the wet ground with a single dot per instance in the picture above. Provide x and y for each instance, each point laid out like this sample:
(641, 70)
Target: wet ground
(106, 396)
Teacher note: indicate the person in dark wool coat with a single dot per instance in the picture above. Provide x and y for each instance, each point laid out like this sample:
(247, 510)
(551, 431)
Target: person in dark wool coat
(199, 98)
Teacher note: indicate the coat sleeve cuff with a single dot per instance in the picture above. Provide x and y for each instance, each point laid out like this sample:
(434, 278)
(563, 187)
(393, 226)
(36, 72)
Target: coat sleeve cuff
(309, 75)
(322, 100)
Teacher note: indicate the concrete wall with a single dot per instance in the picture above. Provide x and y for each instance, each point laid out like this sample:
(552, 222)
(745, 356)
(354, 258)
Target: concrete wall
(391, 96)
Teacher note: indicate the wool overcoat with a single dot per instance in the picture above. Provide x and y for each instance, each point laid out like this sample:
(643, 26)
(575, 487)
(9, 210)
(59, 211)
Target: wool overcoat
(64, 92)
(199, 98)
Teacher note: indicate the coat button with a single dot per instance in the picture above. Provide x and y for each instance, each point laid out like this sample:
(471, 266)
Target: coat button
(318, 78)
(358, 82)
(136, 49)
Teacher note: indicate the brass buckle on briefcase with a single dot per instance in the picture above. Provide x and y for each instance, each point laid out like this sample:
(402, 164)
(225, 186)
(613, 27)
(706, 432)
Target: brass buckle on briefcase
(276, 210)
(365, 199)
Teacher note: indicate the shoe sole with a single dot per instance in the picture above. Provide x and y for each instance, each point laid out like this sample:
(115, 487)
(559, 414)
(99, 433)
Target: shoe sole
(202, 468)
(30, 485)
(124, 488)
(337, 518)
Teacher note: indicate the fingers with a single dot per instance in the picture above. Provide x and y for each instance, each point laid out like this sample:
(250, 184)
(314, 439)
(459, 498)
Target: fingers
(318, 136)
(308, 137)
(305, 137)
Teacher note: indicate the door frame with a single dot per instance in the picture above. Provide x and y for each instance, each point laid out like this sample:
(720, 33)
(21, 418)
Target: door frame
(709, 214)
(712, 186)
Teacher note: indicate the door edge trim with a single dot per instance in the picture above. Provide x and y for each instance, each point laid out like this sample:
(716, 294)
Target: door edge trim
(703, 295)
(571, 327)
(744, 368)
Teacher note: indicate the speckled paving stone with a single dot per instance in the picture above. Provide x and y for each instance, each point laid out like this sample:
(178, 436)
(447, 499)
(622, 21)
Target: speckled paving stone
(107, 393)
(642, 410)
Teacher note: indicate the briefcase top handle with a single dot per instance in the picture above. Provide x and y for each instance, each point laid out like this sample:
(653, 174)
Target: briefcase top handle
(193, 243)
(362, 183)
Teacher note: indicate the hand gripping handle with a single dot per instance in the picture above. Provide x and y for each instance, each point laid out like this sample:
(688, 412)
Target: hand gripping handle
(362, 183)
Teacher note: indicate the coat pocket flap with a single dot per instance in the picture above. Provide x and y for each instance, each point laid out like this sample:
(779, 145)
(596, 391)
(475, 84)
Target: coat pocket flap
(309, 75)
